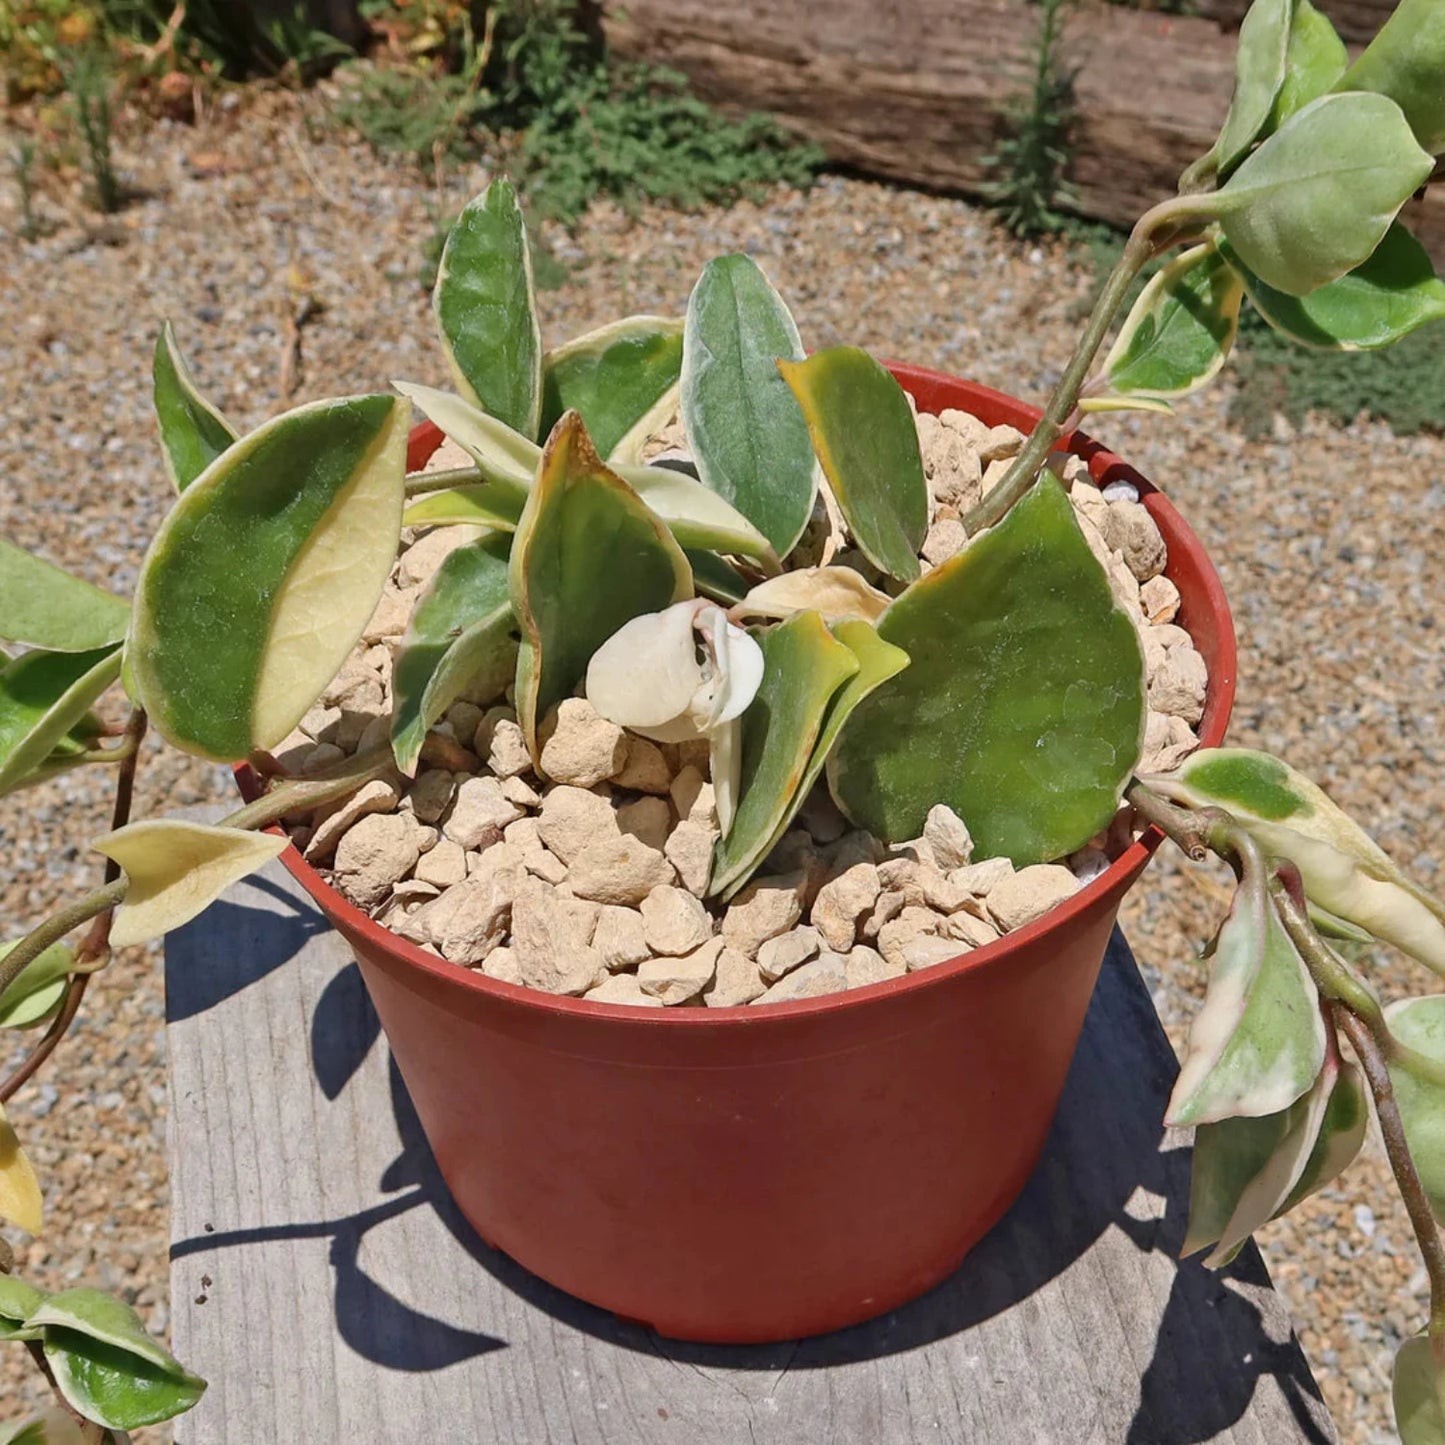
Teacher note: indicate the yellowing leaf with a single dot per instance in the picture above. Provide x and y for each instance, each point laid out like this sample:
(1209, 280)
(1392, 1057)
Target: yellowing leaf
(20, 1201)
(834, 592)
(259, 582)
(863, 433)
(174, 870)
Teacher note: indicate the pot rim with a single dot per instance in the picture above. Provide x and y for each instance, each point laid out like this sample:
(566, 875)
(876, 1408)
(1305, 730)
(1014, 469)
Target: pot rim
(1117, 878)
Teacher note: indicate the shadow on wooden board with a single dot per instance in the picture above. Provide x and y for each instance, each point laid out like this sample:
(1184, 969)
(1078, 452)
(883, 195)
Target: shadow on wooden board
(1104, 1154)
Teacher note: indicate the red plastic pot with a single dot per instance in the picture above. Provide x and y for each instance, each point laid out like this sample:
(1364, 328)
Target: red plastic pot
(752, 1174)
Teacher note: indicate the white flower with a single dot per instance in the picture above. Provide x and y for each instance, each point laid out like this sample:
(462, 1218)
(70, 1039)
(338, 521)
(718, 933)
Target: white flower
(679, 674)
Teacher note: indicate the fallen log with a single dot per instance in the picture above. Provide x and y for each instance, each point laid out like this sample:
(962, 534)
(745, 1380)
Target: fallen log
(919, 92)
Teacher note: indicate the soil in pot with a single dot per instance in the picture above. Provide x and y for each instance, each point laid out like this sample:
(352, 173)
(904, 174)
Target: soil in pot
(589, 882)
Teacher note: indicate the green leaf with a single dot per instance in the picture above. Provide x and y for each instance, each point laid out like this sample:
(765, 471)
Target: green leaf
(1180, 331)
(35, 995)
(877, 662)
(1259, 72)
(715, 578)
(41, 606)
(745, 430)
(588, 555)
(485, 306)
(42, 696)
(505, 458)
(1023, 707)
(1418, 1394)
(1406, 61)
(862, 430)
(1419, 1024)
(1383, 299)
(1245, 1169)
(1318, 196)
(621, 379)
(1343, 868)
(1258, 1043)
(698, 517)
(47, 1427)
(483, 505)
(461, 630)
(261, 579)
(18, 1301)
(193, 432)
(1316, 59)
(114, 1386)
(1341, 1136)
(175, 870)
(804, 666)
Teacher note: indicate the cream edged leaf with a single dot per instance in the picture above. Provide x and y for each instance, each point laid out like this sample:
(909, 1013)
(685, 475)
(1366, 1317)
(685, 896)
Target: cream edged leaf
(175, 869)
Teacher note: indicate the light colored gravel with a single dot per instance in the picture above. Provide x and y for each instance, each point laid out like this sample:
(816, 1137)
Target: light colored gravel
(1330, 545)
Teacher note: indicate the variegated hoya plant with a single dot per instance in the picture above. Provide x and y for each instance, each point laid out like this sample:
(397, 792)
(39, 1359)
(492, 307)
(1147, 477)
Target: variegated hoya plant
(1004, 682)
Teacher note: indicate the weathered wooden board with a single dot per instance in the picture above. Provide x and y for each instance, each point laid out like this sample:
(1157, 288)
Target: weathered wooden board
(332, 1295)
(919, 90)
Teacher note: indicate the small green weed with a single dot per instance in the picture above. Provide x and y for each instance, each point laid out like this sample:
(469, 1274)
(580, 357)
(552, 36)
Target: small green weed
(88, 81)
(22, 162)
(574, 125)
(641, 135)
(1032, 159)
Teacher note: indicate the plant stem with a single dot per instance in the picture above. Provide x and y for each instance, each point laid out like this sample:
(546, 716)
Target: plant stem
(424, 482)
(311, 792)
(1212, 830)
(1332, 975)
(59, 1027)
(55, 928)
(96, 946)
(1354, 1009)
(1417, 1205)
(1154, 232)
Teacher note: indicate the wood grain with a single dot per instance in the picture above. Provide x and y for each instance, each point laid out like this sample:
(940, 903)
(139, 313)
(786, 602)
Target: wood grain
(325, 1285)
(919, 90)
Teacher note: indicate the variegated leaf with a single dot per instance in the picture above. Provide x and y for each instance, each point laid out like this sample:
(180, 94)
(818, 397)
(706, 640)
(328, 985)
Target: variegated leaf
(1258, 1042)
(1343, 869)
(261, 579)
(485, 306)
(174, 870)
(1245, 1169)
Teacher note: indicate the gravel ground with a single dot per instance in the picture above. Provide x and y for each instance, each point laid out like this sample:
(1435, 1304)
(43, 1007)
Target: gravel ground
(1329, 542)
